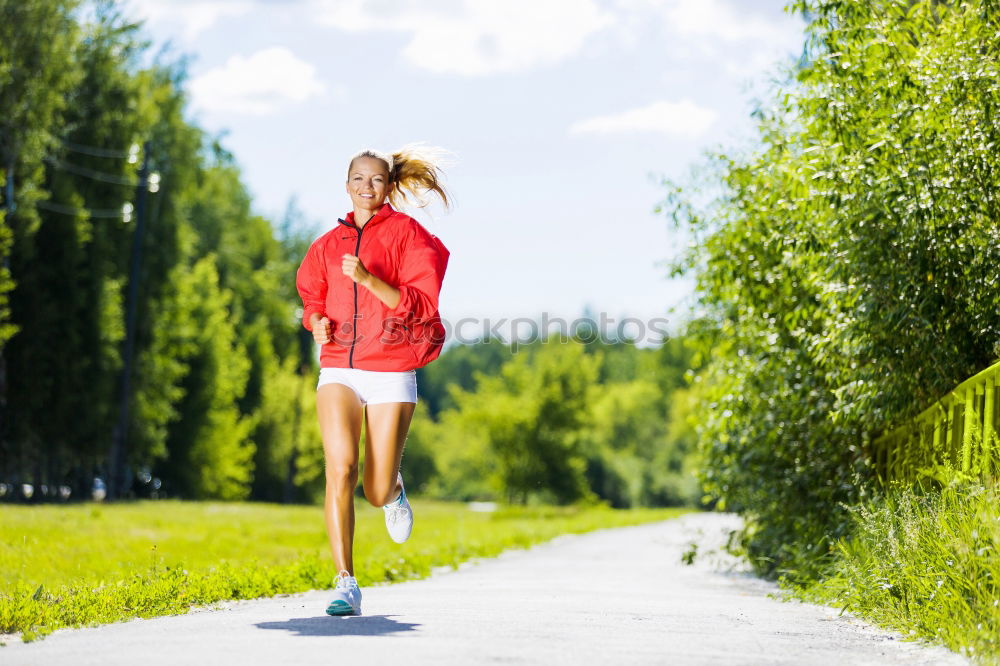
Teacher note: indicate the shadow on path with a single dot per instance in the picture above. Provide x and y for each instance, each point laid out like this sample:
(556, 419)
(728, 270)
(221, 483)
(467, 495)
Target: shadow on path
(325, 625)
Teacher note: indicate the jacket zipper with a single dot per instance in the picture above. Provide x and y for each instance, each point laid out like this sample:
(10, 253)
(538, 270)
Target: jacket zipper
(354, 321)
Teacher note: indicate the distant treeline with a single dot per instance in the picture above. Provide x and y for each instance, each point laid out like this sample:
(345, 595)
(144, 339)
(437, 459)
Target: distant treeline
(559, 421)
(94, 145)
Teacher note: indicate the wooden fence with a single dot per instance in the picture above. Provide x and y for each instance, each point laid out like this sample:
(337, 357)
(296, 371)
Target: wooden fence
(958, 433)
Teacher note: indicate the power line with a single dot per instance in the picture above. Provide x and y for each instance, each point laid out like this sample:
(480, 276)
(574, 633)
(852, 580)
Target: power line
(131, 154)
(106, 213)
(94, 174)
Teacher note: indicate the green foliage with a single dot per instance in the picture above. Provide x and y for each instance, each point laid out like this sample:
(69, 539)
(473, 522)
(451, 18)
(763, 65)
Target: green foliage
(210, 454)
(639, 454)
(145, 559)
(926, 565)
(290, 467)
(532, 413)
(457, 366)
(216, 325)
(623, 427)
(68, 304)
(448, 459)
(219, 348)
(848, 262)
(36, 72)
(557, 421)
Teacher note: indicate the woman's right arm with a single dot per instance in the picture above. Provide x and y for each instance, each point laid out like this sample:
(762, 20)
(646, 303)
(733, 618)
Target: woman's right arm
(320, 327)
(310, 280)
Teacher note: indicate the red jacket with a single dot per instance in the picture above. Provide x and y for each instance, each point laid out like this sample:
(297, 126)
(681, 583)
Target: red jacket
(367, 334)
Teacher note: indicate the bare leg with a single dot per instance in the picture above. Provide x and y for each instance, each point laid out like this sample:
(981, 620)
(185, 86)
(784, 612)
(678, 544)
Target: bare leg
(386, 425)
(340, 412)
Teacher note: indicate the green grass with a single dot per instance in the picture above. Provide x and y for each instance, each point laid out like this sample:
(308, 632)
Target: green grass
(926, 565)
(90, 564)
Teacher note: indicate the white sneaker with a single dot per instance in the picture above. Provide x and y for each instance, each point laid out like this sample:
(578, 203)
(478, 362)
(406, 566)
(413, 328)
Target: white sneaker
(346, 596)
(399, 516)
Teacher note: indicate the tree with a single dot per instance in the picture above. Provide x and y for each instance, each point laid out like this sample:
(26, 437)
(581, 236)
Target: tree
(850, 262)
(37, 41)
(209, 452)
(37, 38)
(458, 365)
(532, 414)
(77, 95)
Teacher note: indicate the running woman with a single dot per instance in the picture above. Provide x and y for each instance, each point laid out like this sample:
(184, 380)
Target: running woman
(370, 289)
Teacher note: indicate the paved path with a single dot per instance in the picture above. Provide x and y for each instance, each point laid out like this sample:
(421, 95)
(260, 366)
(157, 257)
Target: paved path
(615, 597)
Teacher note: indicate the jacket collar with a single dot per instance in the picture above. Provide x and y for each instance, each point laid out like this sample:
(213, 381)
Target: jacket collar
(385, 211)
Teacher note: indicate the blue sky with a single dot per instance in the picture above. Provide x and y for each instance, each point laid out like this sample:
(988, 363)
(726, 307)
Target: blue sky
(562, 115)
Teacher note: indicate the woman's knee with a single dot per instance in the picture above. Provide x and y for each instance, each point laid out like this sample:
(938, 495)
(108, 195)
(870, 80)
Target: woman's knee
(339, 475)
(379, 494)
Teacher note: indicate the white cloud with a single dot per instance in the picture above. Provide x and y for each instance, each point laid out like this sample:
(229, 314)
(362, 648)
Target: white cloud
(189, 17)
(259, 84)
(719, 20)
(683, 118)
(481, 37)
(474, 37)
(742, 40)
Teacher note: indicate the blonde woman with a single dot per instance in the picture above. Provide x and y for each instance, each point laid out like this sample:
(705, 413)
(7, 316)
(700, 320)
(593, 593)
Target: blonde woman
(370, 289)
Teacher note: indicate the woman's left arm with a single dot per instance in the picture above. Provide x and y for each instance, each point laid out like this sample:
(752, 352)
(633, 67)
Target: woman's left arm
(421, 272)
(383, 291)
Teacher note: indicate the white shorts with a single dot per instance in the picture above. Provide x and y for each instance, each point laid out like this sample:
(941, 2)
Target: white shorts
(373, 387)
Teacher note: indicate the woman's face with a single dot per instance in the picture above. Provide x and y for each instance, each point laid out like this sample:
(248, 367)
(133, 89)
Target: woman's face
(368, 183)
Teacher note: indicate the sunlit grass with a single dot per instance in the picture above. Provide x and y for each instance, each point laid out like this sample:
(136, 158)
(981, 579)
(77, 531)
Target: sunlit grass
(91, 564)
(927, 565)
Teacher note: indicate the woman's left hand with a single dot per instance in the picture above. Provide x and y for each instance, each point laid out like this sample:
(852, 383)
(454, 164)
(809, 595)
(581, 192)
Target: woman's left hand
(354, 269)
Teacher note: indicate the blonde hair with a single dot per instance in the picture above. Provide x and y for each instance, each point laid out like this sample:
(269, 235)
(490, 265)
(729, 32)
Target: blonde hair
(414, 172)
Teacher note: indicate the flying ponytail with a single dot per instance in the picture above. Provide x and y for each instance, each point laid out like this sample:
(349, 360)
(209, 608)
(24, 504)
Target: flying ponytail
(415, 171)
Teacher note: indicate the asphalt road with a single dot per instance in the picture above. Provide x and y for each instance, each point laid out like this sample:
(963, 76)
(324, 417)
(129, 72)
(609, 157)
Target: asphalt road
(619, 596)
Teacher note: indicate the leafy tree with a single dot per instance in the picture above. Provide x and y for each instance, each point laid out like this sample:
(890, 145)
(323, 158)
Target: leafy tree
(77, 97)
(532, 413)
(290, 467)
(610, 426)
(849, 261)
(37, 69)
(626, 423)
(254, 268)
(458, 365)
(69, 270)
(288, 461)
(443, 459)
(209, 450)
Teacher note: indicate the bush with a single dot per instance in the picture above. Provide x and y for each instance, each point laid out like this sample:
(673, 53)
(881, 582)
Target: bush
(925, 564)
(849, 262)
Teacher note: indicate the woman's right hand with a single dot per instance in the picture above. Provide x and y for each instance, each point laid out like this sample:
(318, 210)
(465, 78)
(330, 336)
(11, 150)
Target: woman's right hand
(320, 328)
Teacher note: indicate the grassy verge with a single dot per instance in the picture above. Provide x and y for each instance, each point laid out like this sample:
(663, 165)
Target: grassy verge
(926, 565)
(85, 564)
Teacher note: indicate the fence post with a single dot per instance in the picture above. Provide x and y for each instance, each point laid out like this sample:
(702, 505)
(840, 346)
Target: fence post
(883, 457)
(938, 445)
(987, 454)
(889, 459)
(970, 420)
(912, 454)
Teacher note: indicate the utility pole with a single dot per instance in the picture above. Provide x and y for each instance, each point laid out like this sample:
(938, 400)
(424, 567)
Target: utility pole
(119, 437)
